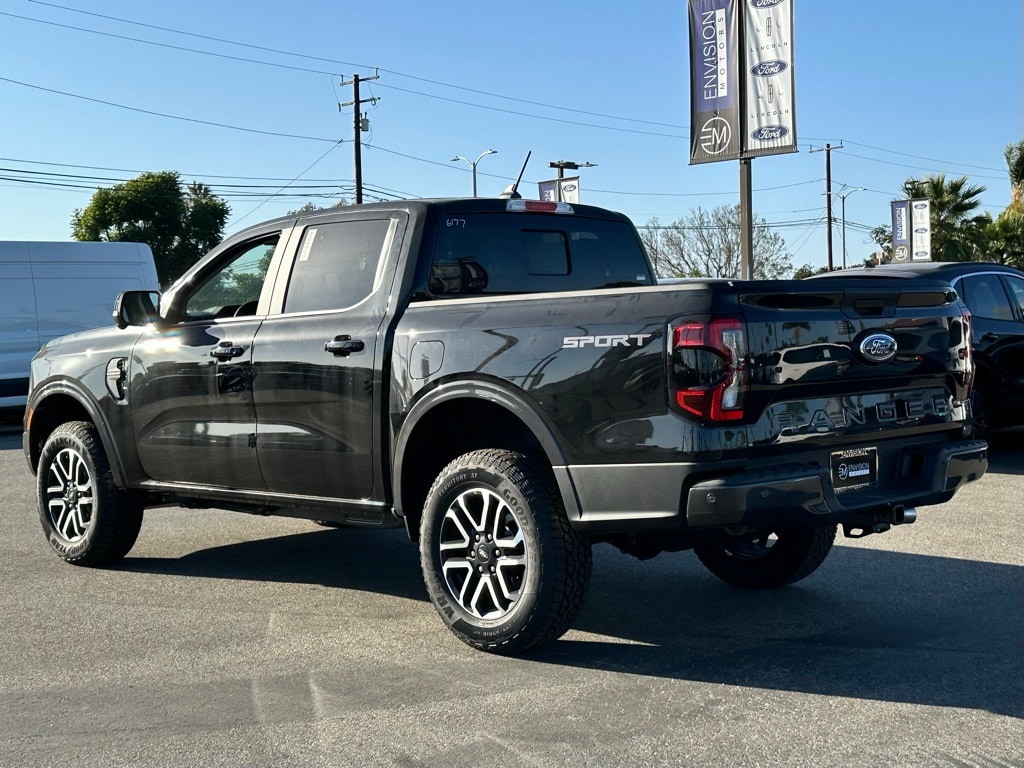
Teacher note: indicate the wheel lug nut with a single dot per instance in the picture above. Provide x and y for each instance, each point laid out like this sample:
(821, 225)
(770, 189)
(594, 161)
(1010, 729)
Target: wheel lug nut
(497, 553)
(480, 569)
(492, 569)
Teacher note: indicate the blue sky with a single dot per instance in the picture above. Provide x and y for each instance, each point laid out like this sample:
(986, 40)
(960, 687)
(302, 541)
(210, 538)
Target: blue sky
(909, 88)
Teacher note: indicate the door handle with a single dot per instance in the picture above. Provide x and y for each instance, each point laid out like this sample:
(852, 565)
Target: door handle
(343, 346)
(989, 336)
(226, 350)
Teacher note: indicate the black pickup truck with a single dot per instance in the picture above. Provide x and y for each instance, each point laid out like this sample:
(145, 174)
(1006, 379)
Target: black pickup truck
(507, 380)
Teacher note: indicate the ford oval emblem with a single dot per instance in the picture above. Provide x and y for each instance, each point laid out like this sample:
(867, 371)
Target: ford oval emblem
(764, 3)
(878, 348)
(769, 68)
(769, 133)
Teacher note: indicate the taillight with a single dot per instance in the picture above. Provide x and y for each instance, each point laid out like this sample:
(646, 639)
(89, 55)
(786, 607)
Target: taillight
(966, 351)
(710, 372)
(537, 206)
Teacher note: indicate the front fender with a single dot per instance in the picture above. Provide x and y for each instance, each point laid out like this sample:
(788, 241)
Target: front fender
(61, 400)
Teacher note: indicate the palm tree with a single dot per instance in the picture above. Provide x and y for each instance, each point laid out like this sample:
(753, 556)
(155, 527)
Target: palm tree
(958, 233)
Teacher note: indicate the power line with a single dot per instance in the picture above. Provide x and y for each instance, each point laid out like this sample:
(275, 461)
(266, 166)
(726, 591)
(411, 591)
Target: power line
(168, 45)
(412, 77)
(914, 167)
(215, 185)
(350, 64)
(164, 114)
(537, 117)
(137, 171)
(702, 194)
(919, 157)
(299, 176)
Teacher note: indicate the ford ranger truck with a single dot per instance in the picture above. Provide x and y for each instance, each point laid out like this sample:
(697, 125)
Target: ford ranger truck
(506, 380)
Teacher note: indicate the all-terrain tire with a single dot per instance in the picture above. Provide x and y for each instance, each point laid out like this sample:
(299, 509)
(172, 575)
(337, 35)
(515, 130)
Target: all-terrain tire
(766, 559)
(86, 518)
(501, 563)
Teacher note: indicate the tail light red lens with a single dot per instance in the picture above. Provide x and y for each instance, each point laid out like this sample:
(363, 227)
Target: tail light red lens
(710, 370)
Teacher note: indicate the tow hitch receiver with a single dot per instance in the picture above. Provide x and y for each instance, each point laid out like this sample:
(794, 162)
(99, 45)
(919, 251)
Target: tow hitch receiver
(880, 522)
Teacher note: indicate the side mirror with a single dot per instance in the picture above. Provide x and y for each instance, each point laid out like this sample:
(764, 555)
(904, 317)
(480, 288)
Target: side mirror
(136, 308)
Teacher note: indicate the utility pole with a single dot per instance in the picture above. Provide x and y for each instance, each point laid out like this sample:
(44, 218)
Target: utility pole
(828, 197)
(746, 221)
(357, 124)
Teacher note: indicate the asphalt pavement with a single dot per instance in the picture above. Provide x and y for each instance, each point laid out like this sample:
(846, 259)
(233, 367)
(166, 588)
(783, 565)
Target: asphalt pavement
(231, 640)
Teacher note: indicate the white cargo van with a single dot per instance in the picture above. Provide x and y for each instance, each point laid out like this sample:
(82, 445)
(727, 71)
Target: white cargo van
(53, 289)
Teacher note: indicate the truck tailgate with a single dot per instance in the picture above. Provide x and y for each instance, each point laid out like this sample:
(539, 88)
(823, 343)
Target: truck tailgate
(866, 356)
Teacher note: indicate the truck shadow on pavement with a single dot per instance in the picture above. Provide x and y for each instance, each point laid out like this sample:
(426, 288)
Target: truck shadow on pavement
(869, 624)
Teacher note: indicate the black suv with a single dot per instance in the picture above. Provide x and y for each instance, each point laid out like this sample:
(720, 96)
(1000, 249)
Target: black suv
(994, 294)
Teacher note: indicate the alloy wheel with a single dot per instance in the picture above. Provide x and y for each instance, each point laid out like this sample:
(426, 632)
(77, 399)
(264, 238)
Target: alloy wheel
(70, 495)
(483, 554)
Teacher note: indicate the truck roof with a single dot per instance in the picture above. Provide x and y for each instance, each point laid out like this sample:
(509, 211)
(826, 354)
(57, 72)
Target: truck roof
(461, 204)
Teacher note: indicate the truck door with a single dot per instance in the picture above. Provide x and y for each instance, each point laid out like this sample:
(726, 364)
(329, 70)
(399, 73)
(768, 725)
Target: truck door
(317, 364)
(190, 380)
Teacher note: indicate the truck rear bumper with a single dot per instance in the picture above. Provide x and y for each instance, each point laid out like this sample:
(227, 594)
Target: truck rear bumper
(631, 497)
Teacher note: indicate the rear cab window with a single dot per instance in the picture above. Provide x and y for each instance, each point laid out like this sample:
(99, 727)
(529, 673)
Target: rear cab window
(512, 253)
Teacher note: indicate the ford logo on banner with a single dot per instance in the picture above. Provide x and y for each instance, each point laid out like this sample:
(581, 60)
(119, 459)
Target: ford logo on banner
(568, 187)
(764, 3)
(769, 133)
(919, 206)
(769, 68)
(878, 348)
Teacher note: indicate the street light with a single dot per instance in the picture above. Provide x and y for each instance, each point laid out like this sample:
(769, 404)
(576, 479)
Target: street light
(473, 164)
(562, 165)
(842, 199)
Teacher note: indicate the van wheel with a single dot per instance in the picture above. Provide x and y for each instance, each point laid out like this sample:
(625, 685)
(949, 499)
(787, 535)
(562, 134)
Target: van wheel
(86, 518)
(766, 558)
(502, 565)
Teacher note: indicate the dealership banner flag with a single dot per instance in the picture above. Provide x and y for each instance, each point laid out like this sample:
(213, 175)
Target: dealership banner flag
(715, 120)
(769, 109)
(901, 231)
(921, 229)
(565, 190)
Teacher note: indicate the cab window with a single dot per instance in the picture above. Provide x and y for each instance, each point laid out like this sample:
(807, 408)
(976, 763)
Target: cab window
(337, 264)
(985, 297)
(495, 253)
(233, 289)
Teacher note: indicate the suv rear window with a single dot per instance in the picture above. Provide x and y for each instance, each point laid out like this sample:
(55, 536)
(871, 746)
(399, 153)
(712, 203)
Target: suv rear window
(501, 253)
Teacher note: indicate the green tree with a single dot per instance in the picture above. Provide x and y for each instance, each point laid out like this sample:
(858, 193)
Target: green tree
(1014, 154)
(179, 224)
(807, 270)
(1007, 231)
(309, 206)
(958, 231)
(706, 243)
(882, 235)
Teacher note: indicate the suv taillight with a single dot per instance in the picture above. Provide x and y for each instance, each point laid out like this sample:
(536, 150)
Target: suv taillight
(965, 353)
(710, 371)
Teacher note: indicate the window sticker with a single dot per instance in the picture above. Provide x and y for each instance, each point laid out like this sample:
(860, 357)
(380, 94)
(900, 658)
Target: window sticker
(307, 244)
